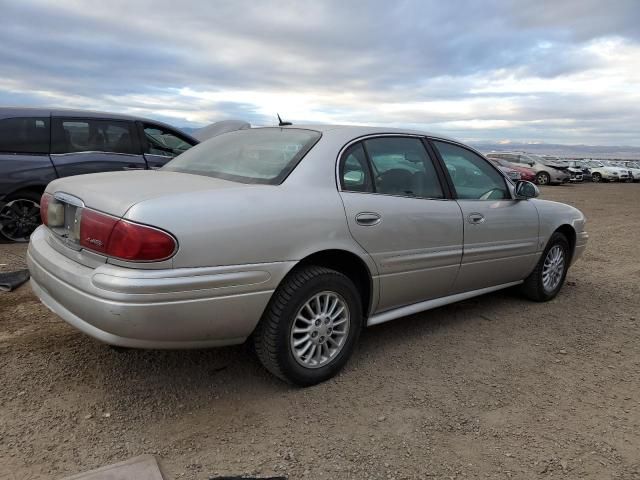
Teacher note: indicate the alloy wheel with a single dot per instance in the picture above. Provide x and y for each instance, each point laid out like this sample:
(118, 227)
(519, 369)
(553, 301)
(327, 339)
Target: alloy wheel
(18, 219)
(320, 329)
(543, 179)
(553, 268)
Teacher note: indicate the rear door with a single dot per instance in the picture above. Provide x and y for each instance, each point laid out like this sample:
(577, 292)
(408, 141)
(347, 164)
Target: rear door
(500, 233)
(90, 145)
(160, 144)
(398, 211)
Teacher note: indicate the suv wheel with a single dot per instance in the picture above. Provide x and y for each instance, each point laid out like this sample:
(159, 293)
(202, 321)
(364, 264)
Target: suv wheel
(543, 178)
(547, 278)
(310, 327)
(20, 216)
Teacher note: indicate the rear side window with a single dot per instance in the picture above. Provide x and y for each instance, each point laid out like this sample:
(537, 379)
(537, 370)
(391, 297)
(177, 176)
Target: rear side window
(24, 135)
(401, 166)
(93, 135)
(259, 155)
(355, 175)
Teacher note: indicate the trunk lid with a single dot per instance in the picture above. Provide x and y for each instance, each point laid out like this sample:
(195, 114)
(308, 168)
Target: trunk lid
(115, 192)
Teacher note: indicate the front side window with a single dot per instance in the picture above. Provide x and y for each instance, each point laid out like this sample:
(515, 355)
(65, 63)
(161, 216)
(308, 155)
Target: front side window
(258, 155)
(472, 176)
(93, 135)
(401, 166)
(24, 135)
(162, 141)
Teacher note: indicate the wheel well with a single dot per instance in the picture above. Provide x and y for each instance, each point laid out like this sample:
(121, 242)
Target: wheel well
(570, 233)
(37, 189)
(348, 264)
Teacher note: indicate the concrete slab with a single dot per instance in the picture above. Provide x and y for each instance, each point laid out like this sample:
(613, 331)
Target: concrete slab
(144, 467)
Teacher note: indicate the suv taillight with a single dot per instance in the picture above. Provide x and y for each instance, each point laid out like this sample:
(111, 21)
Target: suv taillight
(124, 239)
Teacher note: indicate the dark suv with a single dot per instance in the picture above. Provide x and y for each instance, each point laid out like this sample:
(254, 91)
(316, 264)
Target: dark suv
(39, 145)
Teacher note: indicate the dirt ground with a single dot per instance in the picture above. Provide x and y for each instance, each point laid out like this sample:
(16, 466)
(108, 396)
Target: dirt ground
(494, 387)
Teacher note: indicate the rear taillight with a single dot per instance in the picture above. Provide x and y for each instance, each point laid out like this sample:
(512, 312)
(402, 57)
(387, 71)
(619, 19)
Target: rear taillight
(44, 207)
(132, 241)
(51, 211)
(123, 239)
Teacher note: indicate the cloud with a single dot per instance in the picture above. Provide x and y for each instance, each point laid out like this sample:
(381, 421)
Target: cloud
(477, 70)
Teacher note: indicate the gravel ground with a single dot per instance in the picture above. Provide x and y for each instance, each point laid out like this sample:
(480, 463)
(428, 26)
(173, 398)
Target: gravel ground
(494, 387)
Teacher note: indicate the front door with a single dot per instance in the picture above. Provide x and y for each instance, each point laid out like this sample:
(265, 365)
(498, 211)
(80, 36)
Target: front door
(500, 233)
(397, 211)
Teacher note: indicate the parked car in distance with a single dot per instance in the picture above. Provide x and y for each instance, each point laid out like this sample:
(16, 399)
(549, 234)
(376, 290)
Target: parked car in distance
(634, 168)
(40, 145)
(295, 238)
(547, 172)
(525, 173)
(601, 172)
(575, 174)
(584, 168)
(622, 168)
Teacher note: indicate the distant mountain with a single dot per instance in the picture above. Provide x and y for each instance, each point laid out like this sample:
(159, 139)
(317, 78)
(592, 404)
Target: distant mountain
(565, 151)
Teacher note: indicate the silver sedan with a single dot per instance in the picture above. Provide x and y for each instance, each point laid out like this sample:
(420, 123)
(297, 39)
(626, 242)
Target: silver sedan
(294, 238)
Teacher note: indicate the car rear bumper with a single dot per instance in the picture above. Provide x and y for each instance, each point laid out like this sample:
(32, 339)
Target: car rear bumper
(172, 308)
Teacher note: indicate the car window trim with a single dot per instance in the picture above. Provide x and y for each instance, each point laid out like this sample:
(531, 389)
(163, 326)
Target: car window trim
(507, 182)
(340, 160)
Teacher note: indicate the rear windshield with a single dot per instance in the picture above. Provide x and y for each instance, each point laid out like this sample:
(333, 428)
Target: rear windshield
(259, 155)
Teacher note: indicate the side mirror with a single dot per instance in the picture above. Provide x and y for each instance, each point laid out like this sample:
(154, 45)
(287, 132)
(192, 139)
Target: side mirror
(525, 190)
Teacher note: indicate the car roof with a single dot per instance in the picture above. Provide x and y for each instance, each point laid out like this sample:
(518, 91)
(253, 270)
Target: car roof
(363, 130)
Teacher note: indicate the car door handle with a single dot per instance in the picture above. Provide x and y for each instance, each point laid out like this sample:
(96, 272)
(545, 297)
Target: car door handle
(368, 218)
(476, 218)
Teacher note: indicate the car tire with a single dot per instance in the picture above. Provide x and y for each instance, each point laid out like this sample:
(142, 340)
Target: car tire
(543, 178)
(23, 207)
(298, 323)
(547, 278)
(596, 177)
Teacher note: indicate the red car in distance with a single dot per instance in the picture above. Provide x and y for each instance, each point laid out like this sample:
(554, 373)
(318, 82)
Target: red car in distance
(525, 173)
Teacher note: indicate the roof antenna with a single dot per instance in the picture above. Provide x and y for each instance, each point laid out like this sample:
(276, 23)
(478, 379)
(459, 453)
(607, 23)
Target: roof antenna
(281, 123)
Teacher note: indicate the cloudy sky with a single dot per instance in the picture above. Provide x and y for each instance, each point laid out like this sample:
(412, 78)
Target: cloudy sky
(562, 71)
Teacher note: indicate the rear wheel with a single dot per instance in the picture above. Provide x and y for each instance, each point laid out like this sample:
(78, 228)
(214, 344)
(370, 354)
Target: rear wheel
(543, 178)
(547, 278)
(20, 216)
(310, 327)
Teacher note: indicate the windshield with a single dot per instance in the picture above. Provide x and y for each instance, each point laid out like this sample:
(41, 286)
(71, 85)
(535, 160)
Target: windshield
(260, 155)
(593, 163)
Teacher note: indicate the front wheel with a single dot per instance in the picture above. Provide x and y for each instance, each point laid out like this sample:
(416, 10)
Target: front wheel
(543, 178)
(547, 278)
(310, 327)
(596, 177)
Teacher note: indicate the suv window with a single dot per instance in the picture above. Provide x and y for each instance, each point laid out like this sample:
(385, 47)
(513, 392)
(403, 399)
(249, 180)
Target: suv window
(401, 166)
(24, 135)
(93, 135)
(162, 141)
(354, 172)
(472, 176)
